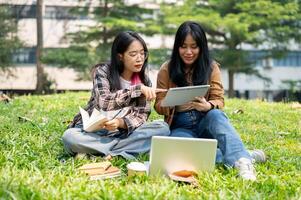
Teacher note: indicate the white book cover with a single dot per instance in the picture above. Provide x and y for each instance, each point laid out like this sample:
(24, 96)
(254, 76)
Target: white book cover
(96, 121)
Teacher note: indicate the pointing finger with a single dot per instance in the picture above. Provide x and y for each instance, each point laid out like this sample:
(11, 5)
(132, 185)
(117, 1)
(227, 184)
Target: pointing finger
(160, 90)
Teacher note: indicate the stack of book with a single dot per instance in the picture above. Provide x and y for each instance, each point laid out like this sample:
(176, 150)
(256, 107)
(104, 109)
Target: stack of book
(100, 170)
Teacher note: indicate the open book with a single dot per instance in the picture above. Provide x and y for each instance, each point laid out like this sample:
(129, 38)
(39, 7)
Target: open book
(96, 121)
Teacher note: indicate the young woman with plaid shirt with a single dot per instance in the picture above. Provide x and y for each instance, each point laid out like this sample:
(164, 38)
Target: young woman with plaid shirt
(120, 84)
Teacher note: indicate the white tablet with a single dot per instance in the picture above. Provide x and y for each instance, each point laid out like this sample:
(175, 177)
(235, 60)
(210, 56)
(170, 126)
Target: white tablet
(181, 95)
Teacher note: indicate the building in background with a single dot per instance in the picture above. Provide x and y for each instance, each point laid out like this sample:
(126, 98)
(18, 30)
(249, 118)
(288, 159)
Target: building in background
(58, 20)
(280, 71)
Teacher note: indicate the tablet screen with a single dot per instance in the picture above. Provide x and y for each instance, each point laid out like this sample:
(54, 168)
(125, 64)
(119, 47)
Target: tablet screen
(181, 95)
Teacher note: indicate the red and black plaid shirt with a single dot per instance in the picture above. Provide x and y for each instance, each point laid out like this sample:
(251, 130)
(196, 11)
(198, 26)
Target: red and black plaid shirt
(103, 98)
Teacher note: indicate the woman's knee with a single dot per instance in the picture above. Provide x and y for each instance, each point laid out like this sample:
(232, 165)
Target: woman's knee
(181, 132)
(216, 114)
(163, 128)
(157, 128)
(69, 137)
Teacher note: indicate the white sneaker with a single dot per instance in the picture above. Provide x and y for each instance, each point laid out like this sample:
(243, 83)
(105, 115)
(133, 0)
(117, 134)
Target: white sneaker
(246, 169)
(258, 155)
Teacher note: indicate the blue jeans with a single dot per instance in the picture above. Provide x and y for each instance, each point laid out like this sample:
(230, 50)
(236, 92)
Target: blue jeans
(213, 124)
(76, 140)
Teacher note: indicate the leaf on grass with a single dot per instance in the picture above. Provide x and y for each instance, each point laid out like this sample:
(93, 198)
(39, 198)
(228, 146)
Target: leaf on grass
(24, 119)
(45, 120)
(283, 133)
(238, 111)
(68, 121)
(4, 98)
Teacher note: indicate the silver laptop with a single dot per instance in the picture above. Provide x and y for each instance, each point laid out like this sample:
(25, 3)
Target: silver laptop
(181, 95)
(171, 154)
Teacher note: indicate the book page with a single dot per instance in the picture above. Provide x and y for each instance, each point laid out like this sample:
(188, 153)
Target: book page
(120, 113)
(94, 122)
(97, 119)
(96, 125)
(85, 117)
(97, 116)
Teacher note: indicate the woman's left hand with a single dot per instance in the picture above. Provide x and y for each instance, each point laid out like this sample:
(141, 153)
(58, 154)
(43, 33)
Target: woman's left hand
(201, 104)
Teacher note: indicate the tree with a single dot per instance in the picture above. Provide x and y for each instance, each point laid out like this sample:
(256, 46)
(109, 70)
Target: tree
(231, 24)
(40, 69)
(294, 89)
(9, 41)
(93, 45)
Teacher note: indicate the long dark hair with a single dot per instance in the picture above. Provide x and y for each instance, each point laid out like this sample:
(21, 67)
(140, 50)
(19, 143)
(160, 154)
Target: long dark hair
(201, 67)
(116, 66)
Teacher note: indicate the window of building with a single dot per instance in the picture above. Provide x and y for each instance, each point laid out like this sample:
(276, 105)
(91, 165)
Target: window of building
(291, 59)
(23, 11)
(62, 12)
(51, 12)
(257, 58)
(25, 56)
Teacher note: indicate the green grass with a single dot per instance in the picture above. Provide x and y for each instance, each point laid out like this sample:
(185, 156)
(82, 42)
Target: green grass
(33, 164)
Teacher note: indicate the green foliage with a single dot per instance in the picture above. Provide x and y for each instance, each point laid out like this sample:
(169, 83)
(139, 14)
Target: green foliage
(158, 56)
(33, 164)
(93, 45)
(294, 87)
(232, 23)
(9, 41)
(229, 23)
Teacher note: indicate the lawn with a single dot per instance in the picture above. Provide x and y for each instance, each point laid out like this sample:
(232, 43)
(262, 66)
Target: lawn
(33, 164)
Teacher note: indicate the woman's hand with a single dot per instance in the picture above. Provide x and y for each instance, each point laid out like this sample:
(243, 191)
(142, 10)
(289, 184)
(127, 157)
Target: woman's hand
(111, 125)
(114, 124)
(150, 93)
(201, 104)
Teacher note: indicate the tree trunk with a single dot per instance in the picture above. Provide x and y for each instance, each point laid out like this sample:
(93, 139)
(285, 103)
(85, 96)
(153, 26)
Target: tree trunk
(105, 14)
(231, 84)
(40, 68)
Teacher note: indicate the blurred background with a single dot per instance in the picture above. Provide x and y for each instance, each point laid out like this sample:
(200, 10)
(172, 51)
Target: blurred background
(49, 46)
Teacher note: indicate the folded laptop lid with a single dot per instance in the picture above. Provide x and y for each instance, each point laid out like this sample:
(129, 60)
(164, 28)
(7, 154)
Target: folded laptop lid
(170, 154)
